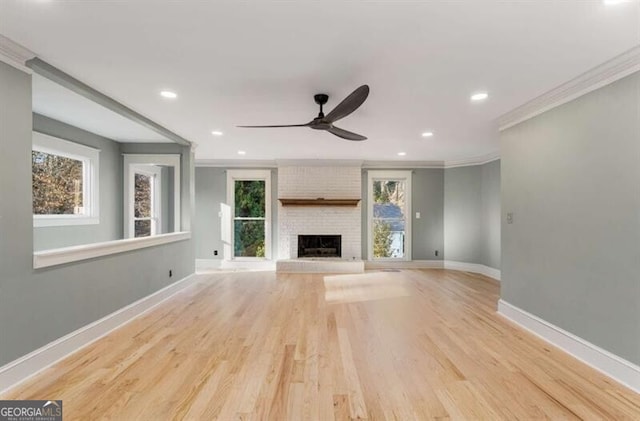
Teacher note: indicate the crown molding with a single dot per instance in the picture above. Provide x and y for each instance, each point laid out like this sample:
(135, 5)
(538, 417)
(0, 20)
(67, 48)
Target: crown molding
(371, 165)
(469, 162)
(236, 163)
(15, 54)
(602, 75)
(266, 163)
(319, 163)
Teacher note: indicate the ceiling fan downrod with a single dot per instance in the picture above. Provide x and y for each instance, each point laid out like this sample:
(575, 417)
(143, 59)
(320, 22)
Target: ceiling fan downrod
(321, 99)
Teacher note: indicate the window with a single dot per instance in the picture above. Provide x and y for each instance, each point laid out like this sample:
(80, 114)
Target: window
(151, 194)
(249, 196)
(389, 214)
(146, 200)
(64, 182)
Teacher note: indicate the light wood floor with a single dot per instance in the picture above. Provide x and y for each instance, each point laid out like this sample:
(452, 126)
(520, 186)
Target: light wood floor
(416, 344)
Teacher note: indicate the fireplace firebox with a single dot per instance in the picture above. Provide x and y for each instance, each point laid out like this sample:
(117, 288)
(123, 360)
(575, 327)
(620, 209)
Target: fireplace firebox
(319, 246)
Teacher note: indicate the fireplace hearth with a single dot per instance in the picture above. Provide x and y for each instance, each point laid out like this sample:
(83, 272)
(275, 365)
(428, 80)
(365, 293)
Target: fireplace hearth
(319, 246)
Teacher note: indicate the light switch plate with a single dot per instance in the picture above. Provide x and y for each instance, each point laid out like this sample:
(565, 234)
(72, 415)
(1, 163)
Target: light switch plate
(417, 215)
(509, 217)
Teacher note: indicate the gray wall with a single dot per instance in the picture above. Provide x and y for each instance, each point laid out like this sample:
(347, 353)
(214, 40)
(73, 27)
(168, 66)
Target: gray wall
(490, 216)
(110, 178)
(39, 306)
(462, 214)
(211, 191)
(571, 177)
(472, 214)
(427, 197)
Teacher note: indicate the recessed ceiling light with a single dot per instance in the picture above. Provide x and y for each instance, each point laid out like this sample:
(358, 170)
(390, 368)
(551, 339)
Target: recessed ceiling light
(242, 153)
(217, 133)
(168, 94)
(427, 134)
(479, 96)
(402, 153)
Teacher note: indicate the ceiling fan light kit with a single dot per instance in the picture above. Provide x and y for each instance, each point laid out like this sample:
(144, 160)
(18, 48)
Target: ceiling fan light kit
(322, 122)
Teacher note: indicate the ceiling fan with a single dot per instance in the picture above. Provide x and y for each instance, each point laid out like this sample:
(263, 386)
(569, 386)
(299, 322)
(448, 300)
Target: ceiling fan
(322, 122)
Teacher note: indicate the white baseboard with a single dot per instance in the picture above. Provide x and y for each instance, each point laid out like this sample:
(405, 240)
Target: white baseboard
(203, 265)
(16, 372)
(434, 264)
(324, 265)
(408, 264)
(207, 265)
(474, 268)
(248, 264)
(619, 369)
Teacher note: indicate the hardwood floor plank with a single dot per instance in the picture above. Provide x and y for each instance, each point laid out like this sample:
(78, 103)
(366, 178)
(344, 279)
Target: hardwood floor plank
(408, 345)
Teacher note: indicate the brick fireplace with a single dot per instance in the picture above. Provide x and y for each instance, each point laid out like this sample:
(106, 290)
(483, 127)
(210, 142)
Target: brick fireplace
(313, 182)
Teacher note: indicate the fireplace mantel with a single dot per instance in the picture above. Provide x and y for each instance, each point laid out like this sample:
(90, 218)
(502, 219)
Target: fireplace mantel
(320, 201)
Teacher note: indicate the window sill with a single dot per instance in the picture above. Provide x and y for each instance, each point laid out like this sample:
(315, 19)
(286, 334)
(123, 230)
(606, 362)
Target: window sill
(46, 258)
(249, 259)
(390, 259)
(59, 221)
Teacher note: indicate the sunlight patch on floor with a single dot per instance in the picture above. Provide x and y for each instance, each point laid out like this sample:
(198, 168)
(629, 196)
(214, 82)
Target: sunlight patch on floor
(364, 287)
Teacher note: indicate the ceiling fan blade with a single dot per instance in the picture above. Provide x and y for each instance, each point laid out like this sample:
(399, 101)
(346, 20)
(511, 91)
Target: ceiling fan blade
(345, 134)
(349, 104)
(281, 125)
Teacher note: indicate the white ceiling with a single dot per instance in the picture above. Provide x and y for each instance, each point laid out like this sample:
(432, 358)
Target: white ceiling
(58, 102)
(260, 62)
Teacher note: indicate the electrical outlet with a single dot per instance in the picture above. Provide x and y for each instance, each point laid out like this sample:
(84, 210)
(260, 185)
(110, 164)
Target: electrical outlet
(436, 253)
(215, 252)
(417, 215)
(170, 273)
(509, 217)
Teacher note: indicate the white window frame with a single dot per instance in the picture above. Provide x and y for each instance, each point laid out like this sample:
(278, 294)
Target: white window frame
(90, 158)
(395, 176)
(132, 164)
(238, 175)
(155, 174)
